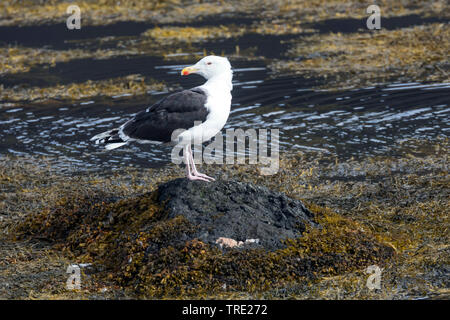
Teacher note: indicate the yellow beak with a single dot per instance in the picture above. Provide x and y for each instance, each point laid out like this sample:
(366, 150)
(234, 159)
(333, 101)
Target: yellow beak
(188, 70)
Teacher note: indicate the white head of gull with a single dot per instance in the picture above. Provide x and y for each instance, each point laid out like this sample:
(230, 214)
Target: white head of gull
(201, 111)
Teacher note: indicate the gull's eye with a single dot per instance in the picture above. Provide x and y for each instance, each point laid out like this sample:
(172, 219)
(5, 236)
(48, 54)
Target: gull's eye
(208, 63)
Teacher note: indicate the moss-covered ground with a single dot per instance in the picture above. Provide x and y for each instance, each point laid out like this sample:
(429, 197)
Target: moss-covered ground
(392, 212)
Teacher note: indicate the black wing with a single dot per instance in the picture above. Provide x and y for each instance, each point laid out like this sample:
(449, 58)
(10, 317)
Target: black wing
(176, 111)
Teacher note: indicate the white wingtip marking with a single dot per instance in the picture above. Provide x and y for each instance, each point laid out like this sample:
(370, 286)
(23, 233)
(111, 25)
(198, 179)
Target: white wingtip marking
(112, 146)
(101, 135)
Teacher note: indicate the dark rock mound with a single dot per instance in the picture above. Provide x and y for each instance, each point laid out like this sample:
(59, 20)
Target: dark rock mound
(236, 210)
(163, 243)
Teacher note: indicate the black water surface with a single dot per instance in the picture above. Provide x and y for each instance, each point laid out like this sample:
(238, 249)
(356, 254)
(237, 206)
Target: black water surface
(58, 36)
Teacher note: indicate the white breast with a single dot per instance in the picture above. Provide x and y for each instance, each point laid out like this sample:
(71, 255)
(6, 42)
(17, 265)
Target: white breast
(218, 103)
(218, 106)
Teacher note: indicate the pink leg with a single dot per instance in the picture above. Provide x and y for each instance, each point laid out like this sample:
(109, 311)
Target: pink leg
(194, 169)
(187, 158)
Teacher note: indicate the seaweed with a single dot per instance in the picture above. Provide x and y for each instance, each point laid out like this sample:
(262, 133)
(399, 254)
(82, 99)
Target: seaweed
(357, 59)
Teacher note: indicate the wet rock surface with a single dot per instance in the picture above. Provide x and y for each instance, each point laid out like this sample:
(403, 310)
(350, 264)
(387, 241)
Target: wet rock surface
(236, 210)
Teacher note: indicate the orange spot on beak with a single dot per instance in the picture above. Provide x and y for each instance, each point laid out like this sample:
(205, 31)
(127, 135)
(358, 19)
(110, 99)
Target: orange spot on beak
(188, 70)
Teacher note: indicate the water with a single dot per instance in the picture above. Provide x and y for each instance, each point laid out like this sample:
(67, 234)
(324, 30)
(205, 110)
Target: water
(346, 123)
(360, 122)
